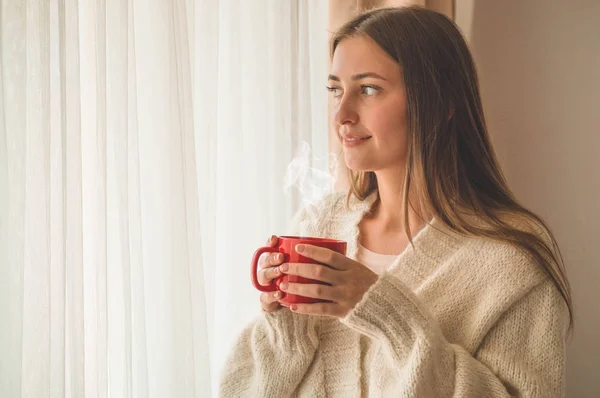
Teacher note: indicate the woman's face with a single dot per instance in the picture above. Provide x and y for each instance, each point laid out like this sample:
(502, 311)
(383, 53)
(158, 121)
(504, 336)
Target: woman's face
(369, 100)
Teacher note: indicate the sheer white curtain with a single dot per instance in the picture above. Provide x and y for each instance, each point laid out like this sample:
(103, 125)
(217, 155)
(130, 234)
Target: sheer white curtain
(143, 151)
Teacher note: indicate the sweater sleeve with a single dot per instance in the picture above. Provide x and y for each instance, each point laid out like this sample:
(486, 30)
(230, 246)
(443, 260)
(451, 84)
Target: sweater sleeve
(523, 354)
(270, 357)
(272, 354)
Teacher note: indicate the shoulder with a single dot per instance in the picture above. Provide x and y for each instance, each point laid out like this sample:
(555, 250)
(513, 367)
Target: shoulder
(490, 278)
(501, 270)
(510, 258)
(501, 258)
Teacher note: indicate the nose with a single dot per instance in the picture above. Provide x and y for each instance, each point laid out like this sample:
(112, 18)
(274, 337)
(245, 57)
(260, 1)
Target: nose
(345, 113)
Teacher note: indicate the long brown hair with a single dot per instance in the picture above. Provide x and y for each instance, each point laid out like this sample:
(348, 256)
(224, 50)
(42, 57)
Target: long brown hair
(450, 159)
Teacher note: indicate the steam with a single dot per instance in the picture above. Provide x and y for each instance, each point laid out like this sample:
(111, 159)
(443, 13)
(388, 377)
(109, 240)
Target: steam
(313, 184)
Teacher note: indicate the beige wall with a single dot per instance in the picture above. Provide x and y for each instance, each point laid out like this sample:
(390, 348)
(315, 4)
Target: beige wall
(539, 65)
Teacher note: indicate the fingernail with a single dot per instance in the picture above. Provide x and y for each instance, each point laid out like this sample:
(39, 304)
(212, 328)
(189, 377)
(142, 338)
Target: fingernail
(276, 295)
(283, 286)
(294, 307)
(278, 257)
(299, 248)
(284, 267)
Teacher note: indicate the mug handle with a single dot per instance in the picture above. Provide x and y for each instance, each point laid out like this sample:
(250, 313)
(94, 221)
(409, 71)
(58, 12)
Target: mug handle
(257, 254)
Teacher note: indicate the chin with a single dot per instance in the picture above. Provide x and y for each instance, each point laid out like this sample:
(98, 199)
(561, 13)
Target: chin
(359, 168)
(357, 165)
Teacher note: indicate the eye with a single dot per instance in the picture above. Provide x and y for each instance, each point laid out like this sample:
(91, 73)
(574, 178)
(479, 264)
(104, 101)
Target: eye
(369, 90)
(366, 90)
(333, 90)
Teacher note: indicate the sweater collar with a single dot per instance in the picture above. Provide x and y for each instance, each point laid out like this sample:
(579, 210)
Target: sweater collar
(433, 236)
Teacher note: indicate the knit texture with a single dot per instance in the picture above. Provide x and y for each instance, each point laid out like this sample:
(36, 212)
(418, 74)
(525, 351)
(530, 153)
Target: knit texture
(452, 316)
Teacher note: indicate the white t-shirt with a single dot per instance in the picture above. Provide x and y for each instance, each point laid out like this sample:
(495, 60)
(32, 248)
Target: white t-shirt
(374, 261)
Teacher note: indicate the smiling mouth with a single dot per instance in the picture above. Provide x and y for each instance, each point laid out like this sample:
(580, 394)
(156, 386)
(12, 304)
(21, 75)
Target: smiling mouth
(355, 139)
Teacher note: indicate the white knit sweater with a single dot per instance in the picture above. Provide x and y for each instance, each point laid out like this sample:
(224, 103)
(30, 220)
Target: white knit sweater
(453, 316)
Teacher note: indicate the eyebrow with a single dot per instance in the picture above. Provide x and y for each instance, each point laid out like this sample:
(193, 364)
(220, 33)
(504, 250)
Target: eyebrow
(359, 76)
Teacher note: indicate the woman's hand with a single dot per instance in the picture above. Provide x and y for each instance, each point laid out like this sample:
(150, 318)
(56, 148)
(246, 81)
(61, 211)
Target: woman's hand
(349, 281)
(268, 263)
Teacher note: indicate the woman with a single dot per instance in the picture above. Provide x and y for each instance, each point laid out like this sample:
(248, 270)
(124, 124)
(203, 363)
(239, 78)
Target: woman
(477, 304)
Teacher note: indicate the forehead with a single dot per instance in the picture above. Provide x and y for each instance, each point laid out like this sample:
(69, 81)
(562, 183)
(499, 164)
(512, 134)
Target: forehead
(361, 54)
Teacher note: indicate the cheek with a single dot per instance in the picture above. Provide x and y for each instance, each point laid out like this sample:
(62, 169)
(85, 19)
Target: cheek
(389, 125)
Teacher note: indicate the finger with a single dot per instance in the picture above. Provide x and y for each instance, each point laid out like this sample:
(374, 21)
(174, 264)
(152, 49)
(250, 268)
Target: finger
(311, 290)
(322, 255)
(270, 260)
(263, 259)
(271, 297)
(269, 300)
(266, 275)
(272, 241)
(321, 309)
(317, 272)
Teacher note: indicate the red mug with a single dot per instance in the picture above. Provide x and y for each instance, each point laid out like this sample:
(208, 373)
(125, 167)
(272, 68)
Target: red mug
(287, 246)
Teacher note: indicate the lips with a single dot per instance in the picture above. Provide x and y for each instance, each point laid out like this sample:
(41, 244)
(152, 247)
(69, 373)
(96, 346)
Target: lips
(352, 141)
(355, 137)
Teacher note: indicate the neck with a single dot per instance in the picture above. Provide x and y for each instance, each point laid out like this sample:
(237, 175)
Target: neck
(388, 209)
